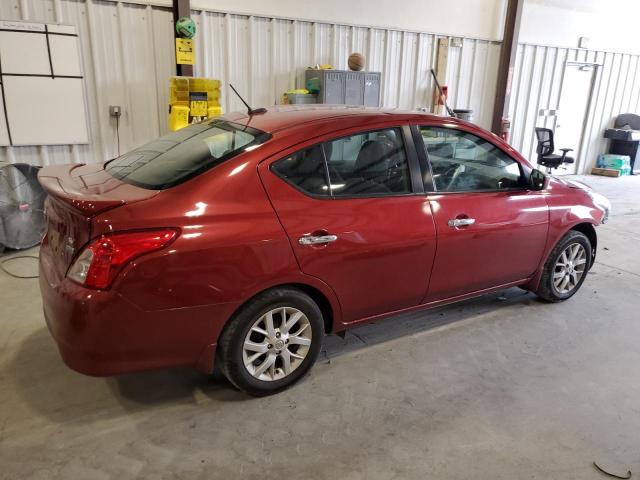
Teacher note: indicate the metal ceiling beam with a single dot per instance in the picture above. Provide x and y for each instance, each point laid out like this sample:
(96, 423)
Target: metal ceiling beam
(507, 64)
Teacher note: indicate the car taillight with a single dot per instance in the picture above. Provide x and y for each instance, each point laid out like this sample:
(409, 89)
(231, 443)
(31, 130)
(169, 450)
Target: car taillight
(102, 259)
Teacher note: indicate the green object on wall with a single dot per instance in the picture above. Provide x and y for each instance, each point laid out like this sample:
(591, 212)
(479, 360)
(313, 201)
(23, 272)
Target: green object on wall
(186, 27)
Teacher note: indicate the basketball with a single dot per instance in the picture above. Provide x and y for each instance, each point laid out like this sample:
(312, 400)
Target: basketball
(356, 62)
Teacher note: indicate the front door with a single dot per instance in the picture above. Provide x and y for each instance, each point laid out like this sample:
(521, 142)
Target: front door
(491, 229)
(577, 86)
(350, 208)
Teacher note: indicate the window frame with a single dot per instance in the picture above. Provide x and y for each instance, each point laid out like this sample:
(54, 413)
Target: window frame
(413, 162)
(427, 167)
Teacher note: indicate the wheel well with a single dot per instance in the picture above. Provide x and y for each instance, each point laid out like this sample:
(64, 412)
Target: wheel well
(316, 295)
(590, 232)
(320, 299)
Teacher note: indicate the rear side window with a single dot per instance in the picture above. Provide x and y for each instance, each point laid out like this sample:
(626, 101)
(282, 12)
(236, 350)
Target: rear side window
(305, 171)
(366, 164)
(371, 163)
(184, 154)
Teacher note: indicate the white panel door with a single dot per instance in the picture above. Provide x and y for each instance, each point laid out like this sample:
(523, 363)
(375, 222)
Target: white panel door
(577, 87)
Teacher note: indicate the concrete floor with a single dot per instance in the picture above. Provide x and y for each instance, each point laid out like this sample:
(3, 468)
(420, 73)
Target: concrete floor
(499, 387)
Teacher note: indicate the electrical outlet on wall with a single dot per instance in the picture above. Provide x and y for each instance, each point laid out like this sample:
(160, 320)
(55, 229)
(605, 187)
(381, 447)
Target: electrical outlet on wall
(115, 111)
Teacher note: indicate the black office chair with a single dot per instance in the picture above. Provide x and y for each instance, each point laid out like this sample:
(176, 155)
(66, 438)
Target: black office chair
(545, 150)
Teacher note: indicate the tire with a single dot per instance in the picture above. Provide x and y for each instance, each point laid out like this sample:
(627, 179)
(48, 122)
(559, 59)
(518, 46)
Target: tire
(554, 273)
(248, 335)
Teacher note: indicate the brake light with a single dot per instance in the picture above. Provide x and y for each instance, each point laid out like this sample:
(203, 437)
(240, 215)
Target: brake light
(102, 259)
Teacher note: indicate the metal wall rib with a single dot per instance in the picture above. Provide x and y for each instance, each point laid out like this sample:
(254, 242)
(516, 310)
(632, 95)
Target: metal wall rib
(537, 82)
(128, 54)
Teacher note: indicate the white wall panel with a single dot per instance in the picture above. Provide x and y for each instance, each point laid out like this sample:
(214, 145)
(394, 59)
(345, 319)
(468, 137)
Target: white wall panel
(263, 57)
(471, 76)
(470, 18)
(536, 85)
(609, 24)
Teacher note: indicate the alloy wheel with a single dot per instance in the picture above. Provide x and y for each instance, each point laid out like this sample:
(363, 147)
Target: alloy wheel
(277, 343)
(570, 268)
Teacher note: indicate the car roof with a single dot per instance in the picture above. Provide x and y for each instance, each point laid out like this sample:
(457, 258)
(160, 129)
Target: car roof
(281, 117)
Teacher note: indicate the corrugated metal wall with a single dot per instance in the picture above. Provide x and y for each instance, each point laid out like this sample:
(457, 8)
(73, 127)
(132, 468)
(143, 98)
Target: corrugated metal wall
(263, 57)
(128, 55)
(537, 82)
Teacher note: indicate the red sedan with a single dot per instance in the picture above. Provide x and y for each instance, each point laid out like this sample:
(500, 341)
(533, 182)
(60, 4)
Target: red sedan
(246, 239)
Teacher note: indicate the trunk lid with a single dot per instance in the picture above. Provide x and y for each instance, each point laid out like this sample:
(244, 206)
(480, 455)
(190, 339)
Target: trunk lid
(76, 194)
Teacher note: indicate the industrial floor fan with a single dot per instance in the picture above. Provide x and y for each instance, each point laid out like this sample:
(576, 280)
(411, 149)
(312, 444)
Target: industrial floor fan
(22, 222)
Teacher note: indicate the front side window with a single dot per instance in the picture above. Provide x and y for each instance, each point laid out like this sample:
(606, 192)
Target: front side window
(184, 154)
(366, 164)
(463, 162)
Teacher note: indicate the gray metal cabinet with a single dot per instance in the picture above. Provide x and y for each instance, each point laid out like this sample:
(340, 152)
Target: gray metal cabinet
(353, 88)
(346, 87)
(333, 91)
(372, 89)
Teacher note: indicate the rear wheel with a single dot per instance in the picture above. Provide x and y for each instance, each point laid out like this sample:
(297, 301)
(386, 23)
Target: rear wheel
(272, 341)
(566, 268)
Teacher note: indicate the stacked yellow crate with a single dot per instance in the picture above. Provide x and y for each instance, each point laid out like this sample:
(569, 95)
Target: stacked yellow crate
(192, 99)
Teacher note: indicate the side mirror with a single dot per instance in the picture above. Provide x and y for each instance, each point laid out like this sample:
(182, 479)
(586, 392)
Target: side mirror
(537, 180)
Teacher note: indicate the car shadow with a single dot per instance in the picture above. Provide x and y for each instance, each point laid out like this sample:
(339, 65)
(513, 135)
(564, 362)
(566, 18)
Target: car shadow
(38, 375)
(407, 324)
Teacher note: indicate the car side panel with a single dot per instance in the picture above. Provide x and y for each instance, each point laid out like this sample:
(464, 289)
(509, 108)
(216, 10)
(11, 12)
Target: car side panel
(568, 207)
(385, 248)
(506, 240)
(504, 244)
(168, 307)
(230, 240)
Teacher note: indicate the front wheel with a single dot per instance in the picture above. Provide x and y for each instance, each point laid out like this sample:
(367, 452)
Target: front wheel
(272, 341)
(566, 268)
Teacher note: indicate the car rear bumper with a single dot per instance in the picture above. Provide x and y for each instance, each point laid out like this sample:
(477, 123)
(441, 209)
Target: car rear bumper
(101, 333)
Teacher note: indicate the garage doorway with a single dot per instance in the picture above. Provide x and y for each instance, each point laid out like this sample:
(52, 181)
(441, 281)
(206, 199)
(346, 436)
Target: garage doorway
(575, 99)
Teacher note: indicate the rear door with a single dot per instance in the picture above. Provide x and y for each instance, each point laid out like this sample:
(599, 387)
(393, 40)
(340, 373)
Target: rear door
(491, 229)
(354, 209)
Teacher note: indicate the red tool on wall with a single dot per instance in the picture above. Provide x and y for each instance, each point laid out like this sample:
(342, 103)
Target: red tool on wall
(505, 129)
(442, 98)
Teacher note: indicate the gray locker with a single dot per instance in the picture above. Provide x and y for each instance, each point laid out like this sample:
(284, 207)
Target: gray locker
(353, 88)
(371, 89)
(345, 87)
(334, 88)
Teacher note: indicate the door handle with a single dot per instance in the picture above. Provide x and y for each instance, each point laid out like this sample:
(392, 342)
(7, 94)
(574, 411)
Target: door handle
(317, 239)
(461, 222)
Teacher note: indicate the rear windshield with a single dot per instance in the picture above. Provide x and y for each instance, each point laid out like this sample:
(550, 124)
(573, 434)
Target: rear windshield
(184, 154)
